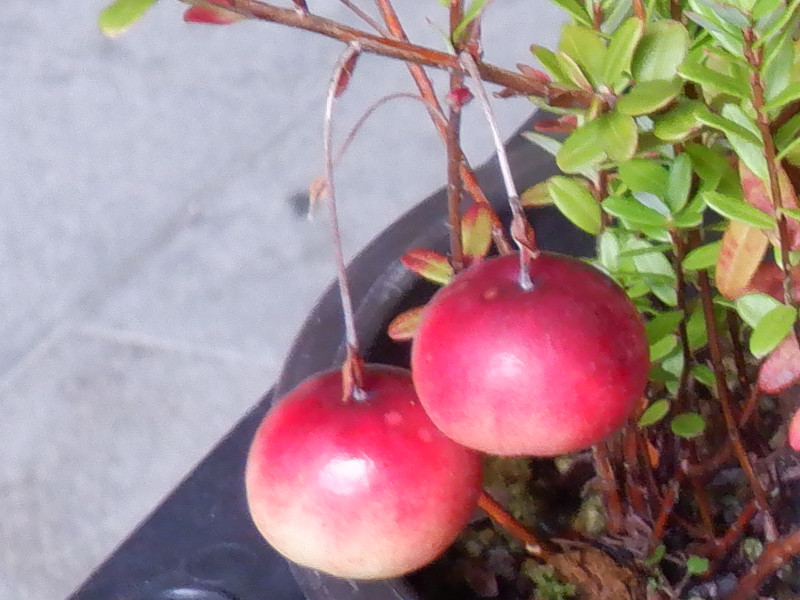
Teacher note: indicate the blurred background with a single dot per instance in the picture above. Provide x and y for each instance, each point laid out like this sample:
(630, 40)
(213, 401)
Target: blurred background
(155, 255)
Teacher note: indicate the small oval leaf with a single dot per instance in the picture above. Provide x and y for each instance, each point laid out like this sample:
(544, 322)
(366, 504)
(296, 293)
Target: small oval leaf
(661, 51)
(618, 135)
(428, 264)
(576, 203)
(649, 96)
(703, 257)
(781, 369)
(476, 230)
(772, 329)
(737, 210)
(404, 326)
(654, 413)
(580, 150)
(740, 254)
(116, 18)
(752, 308)
(688, 425)
(620, 51)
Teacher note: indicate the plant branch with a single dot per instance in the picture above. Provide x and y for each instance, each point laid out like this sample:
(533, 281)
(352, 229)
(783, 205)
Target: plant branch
(403, 50)
(773, 557)
(513, 526)
(608, 487)
(426, 90)
(453, 143)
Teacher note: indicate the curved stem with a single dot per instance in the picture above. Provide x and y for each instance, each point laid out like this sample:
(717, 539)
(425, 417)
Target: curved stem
(521, 230)
(353, 367)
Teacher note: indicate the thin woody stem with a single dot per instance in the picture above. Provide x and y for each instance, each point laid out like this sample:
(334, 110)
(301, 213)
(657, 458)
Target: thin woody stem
(773, 557)
(522, 232)
(426, 90)
(453, 142)
(401, 50)
(513, 526)
(353, 367)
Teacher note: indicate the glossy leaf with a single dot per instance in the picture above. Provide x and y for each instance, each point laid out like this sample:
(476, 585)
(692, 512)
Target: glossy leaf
(662, 324)
(787, 96)
(649, 96)
(576, 203)
(551, 64)
(697, 565)
(633, 211)
(703, 257)
(620, 51)
(748, 147)
(643, 175)
(730, 40)
(544, 142)
(575, 9)
(405, 325)
(608, 250)
(758, 195)
(654, 413)
(618, 135)
(428, 264)
(116, 18)
(663, 347)
(573, 71)
(581, 150)
(688, 425)
(660, 52)
(709, 164)
(738, 210)
(781, 369)
(679, 183)
(679, 123)
(704, 375)
(772, 329)
(702, 74)
(210, 15)
(777, 69)
(536, 195)
(476, 230)
(752, 308)
(585, 46)
(656, 272)
(740, 254)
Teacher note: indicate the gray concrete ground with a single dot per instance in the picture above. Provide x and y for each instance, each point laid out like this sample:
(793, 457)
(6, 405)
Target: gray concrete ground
(154, 257)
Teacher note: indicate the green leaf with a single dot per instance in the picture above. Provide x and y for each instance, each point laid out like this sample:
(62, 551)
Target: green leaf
(580, 150)
(644, 175)
(544, 142)
(649, 96)
(778, 64)
(620, 51)
(662, 324)
(726, 13)
(703, 257)
(537, 195)
(117, 18)
(428, 264)
(696, 329)
(662, 347)
(633, 211)
(574, 73)
(787, 96)
(688, 425)
(787, 132)
(772, 329)
(748, 147)
(575, 9)
(654, 413)
(738, 210)
(608, 250)
(660, 52)
(679, 123)
(655, 271)
(658, 555)
(697, 565)
(730, 128)
(586, 48)
(618, 135)
(473, 12)
(551, 64)
(704, 375)
(679, 183)
(753, 307)
(698, 72)
(730, 40)
(576, 203)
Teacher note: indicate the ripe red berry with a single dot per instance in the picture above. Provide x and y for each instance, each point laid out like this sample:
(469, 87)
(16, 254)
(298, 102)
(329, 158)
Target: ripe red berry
(359, 489)
(541, 372)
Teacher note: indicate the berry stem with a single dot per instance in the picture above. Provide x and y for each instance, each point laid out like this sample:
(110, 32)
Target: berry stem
(353, 368)
(513, 526)
(521, 230)
(453, 143)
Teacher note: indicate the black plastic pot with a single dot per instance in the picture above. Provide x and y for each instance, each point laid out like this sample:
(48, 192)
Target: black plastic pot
(200, 543)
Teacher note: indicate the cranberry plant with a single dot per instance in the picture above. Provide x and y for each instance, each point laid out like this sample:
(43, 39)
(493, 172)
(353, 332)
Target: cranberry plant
(675, 126)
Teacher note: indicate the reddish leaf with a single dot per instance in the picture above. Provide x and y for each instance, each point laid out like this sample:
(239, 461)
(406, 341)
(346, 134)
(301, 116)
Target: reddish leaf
(755, 193)
(563, 124)
(781, 369)
(534, 74)
(742, 249)
(768, 279)
(794, 431)
(405, 325)
(429, 264)
(317, 191)
(476, 230)
(212, 15)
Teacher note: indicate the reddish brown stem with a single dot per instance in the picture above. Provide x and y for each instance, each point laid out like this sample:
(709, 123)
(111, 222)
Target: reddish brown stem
(453, 142)
(517, 530)
(773, 558)
(724, 394)
(701, 495)
(718, 548)
(401, 50)
(639, 10)
(750, 406)
(608, 487)
(426, 90)
(738, 352)
(679, 252)
(667, 504)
